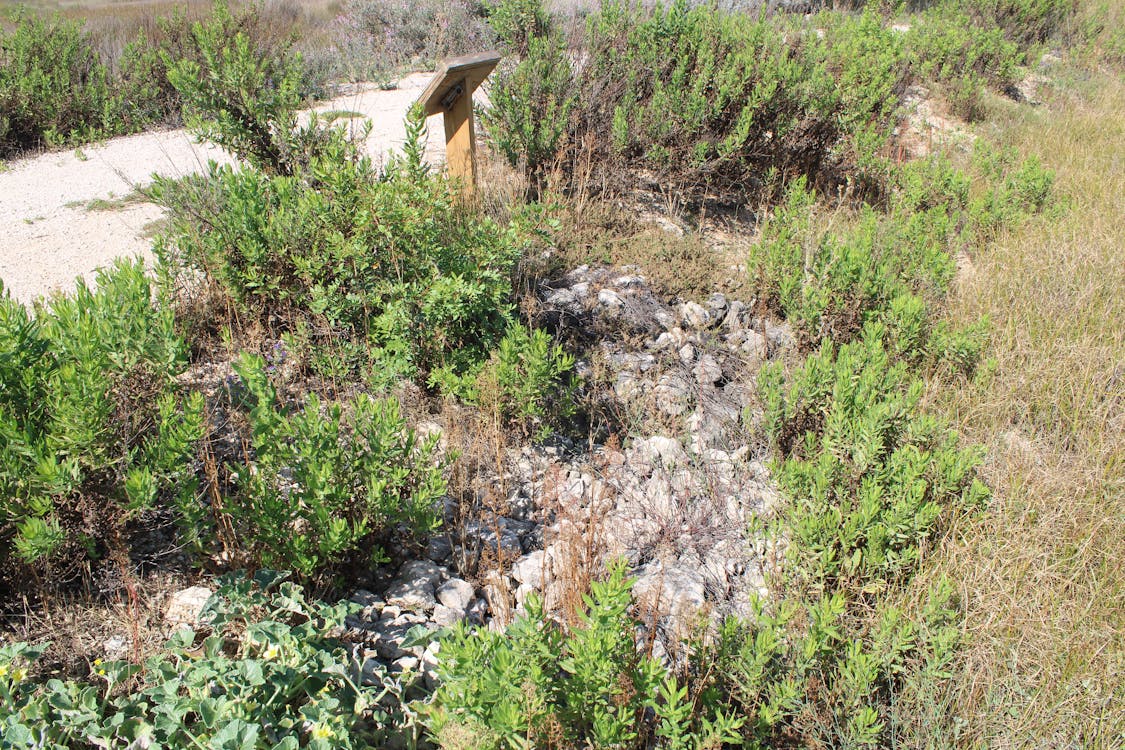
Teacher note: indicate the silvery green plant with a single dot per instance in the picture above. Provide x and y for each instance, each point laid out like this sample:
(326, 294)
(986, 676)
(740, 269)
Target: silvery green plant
(262, 671)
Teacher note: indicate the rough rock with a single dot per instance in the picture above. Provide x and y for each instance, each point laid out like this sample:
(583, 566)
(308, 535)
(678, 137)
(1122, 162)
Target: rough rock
(446, 616)
(185, 606)
(413, 589)
(456, 594)
(707, 370)
(676, 591)
(531, 569)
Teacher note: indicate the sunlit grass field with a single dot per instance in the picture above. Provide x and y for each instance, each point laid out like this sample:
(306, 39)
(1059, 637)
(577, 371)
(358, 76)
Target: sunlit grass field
(1042, 573)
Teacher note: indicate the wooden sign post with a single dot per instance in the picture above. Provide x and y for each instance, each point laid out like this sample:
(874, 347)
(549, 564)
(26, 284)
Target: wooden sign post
(451, 93)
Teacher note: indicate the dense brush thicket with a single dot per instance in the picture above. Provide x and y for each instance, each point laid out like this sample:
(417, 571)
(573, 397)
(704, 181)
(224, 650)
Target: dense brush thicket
(710, 104)
(700, 101)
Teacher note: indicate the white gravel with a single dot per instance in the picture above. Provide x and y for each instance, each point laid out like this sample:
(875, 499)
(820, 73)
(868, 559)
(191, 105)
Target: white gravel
(49, 235)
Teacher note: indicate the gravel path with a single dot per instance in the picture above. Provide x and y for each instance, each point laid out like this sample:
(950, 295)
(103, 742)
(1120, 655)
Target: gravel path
(61, 216)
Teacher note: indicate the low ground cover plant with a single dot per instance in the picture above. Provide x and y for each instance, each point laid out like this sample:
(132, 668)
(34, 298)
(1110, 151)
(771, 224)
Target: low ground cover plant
(94, 429)
(263, 672)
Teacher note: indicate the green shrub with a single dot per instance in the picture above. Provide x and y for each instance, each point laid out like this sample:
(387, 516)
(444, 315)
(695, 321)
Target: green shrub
(93, 432)
(265, 673)
(526, 382)
(240, 95)
(868, 481)
(824, 672)
(144, 64)
(389, 266)
(703, 101)
(1016, 188)
(1024, 22)
(868, 477)
(536, 685)
(947, 44)
(530, 107)
(518, 22)
(891, 264)
(325, 484)
(830, 283)
(53, 88)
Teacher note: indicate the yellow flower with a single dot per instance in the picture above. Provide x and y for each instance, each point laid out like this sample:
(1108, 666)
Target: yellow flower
(322, 732)
(19, 675)
(272, 652)
(3, 670)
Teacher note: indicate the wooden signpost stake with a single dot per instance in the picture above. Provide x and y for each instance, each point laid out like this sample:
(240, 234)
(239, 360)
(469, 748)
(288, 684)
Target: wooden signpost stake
(451, 93)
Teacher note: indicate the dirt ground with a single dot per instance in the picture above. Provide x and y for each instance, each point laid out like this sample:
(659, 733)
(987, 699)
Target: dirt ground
(62, 213)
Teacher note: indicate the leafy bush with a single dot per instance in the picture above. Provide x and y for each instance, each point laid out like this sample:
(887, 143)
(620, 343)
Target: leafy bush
(825, 671)
(53, 88)
(951, 47)
(325, 483)
(537, 685)
(266, 673)
(530, 107)
(1024, 22)
(526, 382)
(890, 265)
(167, 41)
(391, 262)
(93, 432)
(1016, 188)
(830, 283)
(518, 22)
(868, 476)
(241, 95)
(705, 100)
(868, 481)
(947, 45)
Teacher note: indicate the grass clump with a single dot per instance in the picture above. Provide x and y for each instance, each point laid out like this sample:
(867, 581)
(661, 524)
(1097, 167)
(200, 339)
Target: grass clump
(94, 431)
(1041, 571)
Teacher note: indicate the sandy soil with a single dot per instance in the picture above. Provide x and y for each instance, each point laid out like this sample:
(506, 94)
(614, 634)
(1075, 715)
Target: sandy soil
(50, 233)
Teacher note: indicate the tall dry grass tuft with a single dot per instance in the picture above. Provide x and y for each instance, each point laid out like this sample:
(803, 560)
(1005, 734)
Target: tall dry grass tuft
(1042, 572)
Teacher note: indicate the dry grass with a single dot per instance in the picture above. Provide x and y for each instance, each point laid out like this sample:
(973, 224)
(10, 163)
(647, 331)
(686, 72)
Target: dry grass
(1042, 572)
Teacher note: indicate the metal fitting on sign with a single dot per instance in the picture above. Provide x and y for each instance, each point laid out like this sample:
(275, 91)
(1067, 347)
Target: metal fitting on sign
(452, 95)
